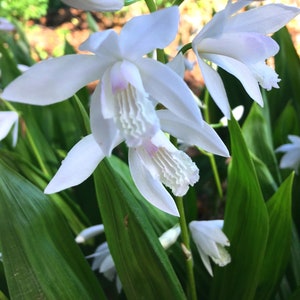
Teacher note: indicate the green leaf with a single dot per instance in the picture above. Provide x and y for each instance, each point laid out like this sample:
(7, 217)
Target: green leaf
(296, 294)
(8, 66)
(141, 262)
(258, 137)
(41, 259)
(266, 181)
(287, 65)
(246, 226)
(279, 242)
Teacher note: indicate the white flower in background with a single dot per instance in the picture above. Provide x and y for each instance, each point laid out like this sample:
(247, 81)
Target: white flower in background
(152, 164)
(237, 113)
(210, 241)
(9, 120)
(5, 25)
(96, 5)
(239, 43)
(104, 263)
(122, 102)
(89, 233)
(168, 238)
(291, 157)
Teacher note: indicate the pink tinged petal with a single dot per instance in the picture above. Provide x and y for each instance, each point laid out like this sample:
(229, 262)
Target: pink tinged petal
(105, 44)
(9, 119)
(242, 72)
(265, 19)
(54, 80)
(134, 113)
(104, 131)
(143, 34)
(203, 136)
(172, 167)
(248, 47)
(150, 188)
(78, 165)
(168, 88)
(215, 87)
(96, 5)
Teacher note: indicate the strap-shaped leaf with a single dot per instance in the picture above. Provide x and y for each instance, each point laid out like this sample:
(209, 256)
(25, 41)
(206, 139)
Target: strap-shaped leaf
(246, 225)
(141, 262)
(279, 241)
(41, 259)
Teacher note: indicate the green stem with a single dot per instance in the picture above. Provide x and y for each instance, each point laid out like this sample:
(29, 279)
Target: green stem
(31, 143)
(210, 155)
(151, 5)
(185, 48)
(191, 286)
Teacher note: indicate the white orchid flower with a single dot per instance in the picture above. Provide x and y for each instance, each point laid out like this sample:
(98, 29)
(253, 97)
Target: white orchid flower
(9, 120)
(104, 263)
(155, 162)
(5, 25)
(122, 103)
(96, 5)
(210, 241)
(239, 43)
(291, 157)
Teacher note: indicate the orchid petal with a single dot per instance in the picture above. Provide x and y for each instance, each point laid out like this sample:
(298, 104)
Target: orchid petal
(78, 165)
(105, 44)
(264, 19)
(241, 72)
(96, 5)
(290, 160)
(247, 47)
(104, 131)
(143, 34)
(9, 119)
(150, 188)
(215, 87)
(88, 233)
(294, 139)
(168, 88)
(217, 24)
(54, 80)
(203, 136)
(177, 64)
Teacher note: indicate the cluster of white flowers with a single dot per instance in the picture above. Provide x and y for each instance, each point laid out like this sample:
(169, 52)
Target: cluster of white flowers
(124, 104)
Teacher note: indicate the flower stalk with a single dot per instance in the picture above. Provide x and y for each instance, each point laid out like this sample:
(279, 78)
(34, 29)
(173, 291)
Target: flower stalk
(191, 286)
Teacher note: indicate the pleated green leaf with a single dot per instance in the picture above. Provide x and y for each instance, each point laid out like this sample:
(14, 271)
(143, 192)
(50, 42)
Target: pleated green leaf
(246, 225)
(40, 258)
(279, 241)
(141, 262)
